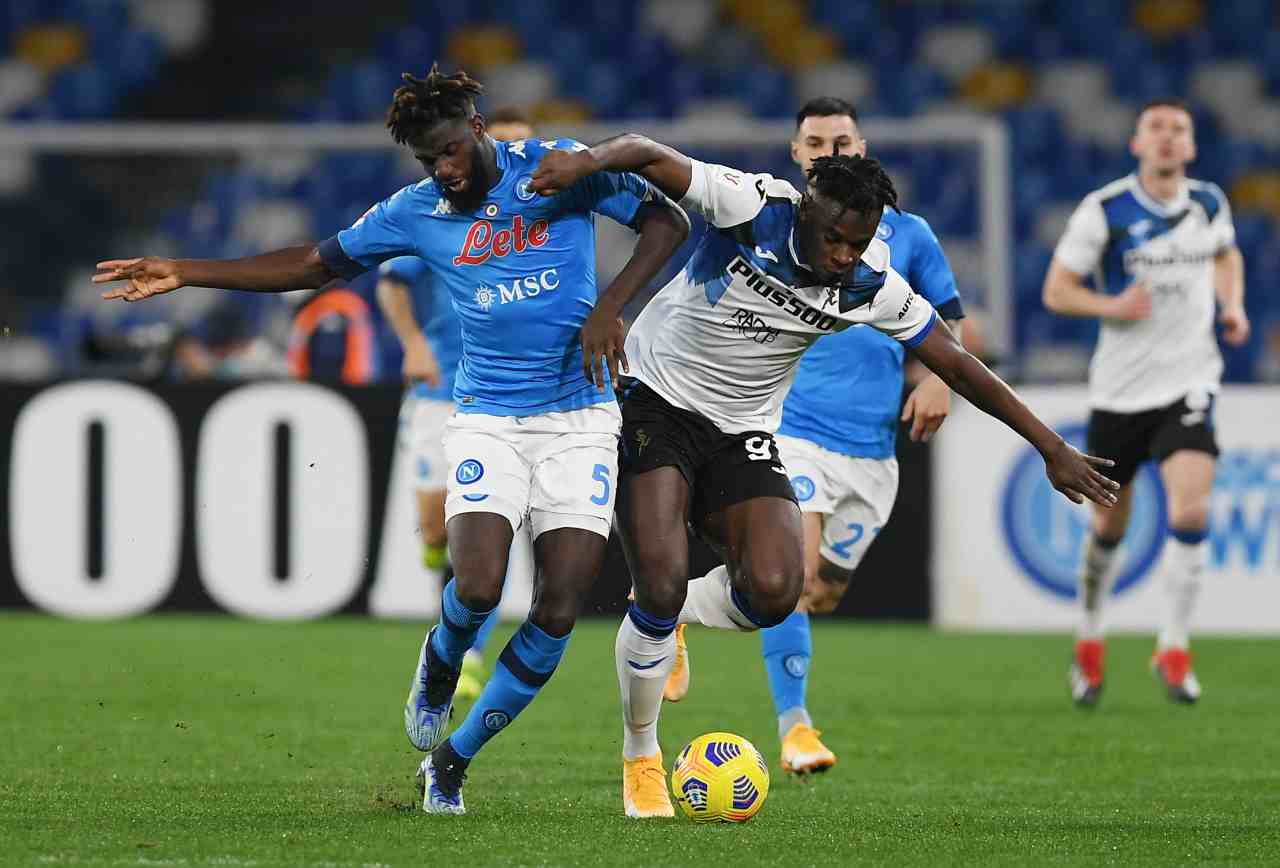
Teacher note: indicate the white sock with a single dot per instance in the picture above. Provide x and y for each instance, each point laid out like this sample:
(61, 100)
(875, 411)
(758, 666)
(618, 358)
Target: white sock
(790, 718)
(1183, 567)
(1098, 568)
(709, 602)
(641, 687)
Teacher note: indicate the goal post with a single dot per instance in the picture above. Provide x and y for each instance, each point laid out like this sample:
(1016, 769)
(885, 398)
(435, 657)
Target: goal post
(982, 254)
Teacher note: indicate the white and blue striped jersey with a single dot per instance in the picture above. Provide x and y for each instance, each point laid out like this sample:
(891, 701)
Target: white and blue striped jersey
(848, 388)
(723, 338)
(1120, 234)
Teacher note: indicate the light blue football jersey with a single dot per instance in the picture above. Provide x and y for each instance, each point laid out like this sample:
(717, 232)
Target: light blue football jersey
(520, 270)
(433, 309)
(848, 387)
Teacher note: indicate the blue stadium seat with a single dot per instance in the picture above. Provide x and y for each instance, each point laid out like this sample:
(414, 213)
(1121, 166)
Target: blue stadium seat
(765, 89)
(134, 58)
(857, 24)
(409, 49)
(84, 92)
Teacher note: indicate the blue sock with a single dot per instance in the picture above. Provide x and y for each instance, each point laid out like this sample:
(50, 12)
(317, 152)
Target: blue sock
(523, 667)
(787, 649)
(482, 636)
(458, 627)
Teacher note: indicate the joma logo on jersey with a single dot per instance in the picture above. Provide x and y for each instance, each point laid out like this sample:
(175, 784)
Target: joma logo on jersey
(483, 242)
(529, 286)
(780, 297)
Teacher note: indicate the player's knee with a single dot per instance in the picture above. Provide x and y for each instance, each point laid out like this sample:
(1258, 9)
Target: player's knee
(661, 580)
(774, 591)
(1189, 514)
(479, 592)
(555, 618)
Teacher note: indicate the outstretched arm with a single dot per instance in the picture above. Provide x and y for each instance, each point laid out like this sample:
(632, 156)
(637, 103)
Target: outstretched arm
(283, 270)
(663, 228)
(1071, 472)
(664, 167)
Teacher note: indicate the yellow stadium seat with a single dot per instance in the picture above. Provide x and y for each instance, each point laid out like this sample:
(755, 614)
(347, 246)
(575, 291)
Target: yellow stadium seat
(1258, 191)
(52, 47)
(547, 113)
(1164, 19)
(996, 86)
(478, 47)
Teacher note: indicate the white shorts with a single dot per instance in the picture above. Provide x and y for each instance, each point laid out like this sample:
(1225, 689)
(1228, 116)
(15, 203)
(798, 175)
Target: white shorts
(855, 494)
(556, 469)
(422, 424)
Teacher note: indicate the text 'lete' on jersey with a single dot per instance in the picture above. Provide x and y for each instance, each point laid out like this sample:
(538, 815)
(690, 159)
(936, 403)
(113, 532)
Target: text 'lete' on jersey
(520, 270)
(722, 339)
(433, 309)
(1119, 234)
(848, 387)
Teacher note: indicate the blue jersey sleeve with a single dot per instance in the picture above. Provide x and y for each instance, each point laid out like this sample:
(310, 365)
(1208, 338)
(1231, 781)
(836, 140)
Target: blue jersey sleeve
(381, 234)
(405, 269)
(615, 195)
(929, 273)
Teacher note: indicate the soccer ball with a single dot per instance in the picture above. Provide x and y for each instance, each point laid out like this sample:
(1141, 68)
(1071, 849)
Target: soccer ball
(720, 777)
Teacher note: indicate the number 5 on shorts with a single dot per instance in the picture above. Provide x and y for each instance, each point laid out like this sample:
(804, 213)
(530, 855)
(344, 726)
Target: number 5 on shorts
(601, 475)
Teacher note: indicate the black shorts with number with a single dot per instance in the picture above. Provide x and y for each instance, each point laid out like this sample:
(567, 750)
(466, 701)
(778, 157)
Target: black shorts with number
(721, 469)
(1129, 439)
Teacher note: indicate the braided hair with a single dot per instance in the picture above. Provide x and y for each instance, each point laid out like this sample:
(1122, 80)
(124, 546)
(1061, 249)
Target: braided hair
(854, 183)
(421, 103)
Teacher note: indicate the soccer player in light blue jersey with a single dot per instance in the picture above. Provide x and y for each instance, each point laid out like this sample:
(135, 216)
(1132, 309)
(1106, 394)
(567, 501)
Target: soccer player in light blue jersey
(421, 314)
(839, 425)
(535, 438)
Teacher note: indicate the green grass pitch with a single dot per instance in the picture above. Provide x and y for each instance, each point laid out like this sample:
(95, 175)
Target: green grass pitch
(210, 741)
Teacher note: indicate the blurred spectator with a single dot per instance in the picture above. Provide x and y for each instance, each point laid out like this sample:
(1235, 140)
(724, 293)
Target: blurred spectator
(333, 339)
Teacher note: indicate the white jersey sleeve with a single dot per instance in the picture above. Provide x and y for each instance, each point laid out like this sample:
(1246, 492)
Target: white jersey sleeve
(1222, 226)
(1082, 244)
(900, 312)
(727, 197)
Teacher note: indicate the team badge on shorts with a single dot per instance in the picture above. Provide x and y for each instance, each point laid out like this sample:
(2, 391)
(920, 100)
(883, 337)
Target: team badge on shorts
(803, 487)
(469, 471)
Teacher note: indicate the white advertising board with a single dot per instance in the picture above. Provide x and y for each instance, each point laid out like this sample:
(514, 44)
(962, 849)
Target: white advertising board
(1007, 546)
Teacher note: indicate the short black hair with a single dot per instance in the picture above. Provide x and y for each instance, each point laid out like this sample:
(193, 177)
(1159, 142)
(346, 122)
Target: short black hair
(855, 183)
(421, 103)
(825, 107)
(1168, 101)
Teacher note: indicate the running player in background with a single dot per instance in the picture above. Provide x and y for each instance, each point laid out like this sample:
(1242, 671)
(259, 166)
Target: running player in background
(713, 354)
(1160, 247)
(422, 316)
(839, 427)
(532, 441)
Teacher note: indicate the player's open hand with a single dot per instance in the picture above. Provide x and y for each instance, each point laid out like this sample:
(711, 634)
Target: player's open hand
(927, 407)
(1235, 325)
(1132, 305)
(1076, 475)
(603, 343)
(560, 170)
(144, 277)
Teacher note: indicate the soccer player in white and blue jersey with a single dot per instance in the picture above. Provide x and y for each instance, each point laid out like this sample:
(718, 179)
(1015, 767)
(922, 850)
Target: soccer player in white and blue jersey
(1161, 249)
(534, 440)
(837, 438)
(713, 354)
